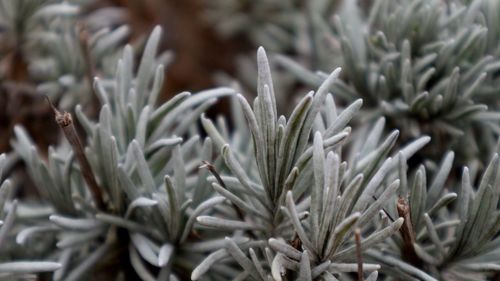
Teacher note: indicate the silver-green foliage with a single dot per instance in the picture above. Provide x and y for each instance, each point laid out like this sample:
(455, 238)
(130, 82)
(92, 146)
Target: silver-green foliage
(457, 242)
(291, 192)
(148, 177)
(282, 26)
(265, 184)
(429, 67)
(16, 19)
(67, 46)
(52, 38)
(14, 270)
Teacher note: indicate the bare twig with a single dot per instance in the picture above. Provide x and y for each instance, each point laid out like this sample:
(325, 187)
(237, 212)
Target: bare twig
(407, 227)
(217, 176)
(214, 172)
(65, 121)
(359, 256)
(407, 233)
(383, 209)
(83, 38)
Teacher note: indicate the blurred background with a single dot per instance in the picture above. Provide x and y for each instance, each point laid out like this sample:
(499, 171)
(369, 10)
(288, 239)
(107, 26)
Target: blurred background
(414, 63)
(56, 48)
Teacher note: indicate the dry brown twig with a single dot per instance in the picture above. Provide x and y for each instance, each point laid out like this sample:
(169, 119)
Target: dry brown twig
(407, 233)
(65, 122)
(217, 176)
(359, 255)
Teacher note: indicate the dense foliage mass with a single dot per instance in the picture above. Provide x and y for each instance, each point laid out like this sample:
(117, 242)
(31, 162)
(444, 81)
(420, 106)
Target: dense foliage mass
(387, 170)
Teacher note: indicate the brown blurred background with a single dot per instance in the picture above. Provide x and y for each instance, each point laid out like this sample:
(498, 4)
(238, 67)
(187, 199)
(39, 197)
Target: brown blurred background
(199, 53)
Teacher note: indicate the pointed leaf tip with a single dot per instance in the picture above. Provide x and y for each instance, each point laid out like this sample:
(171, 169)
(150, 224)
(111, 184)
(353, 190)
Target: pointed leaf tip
(336, 72)
(157, 30)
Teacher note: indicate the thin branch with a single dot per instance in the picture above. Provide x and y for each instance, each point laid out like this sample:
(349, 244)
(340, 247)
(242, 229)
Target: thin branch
(407, 228)
(383, 209)
(83, 38)
(213, 171)
(217, 176)
(65, 121)
(357, 236)
(407, 233)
